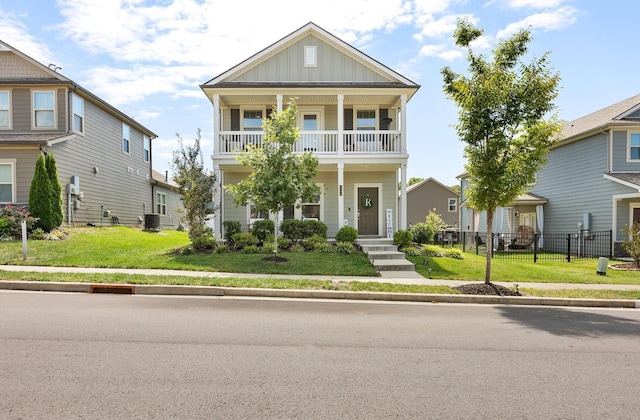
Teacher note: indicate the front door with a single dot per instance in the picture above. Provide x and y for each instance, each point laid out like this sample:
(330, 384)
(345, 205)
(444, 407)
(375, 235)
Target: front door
(310, 122)
(368, 211)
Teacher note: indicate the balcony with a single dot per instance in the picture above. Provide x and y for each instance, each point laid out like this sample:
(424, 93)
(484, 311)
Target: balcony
(319, 142)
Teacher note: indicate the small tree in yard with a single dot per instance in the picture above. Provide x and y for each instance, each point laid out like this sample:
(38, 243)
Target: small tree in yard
(56, 189)
(40, 198)
(502, 106)
(632, 243)
(279, 178)
(195, 185)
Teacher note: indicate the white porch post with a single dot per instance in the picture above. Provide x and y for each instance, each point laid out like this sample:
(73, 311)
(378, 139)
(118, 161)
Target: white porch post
(340, 128)
(218, 195)
(340, 195)
(403, 194)
(403, 115)
(279, 103)
(216, 125)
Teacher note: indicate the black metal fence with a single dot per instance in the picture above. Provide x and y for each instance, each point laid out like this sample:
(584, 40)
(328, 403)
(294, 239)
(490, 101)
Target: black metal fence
(542, 247)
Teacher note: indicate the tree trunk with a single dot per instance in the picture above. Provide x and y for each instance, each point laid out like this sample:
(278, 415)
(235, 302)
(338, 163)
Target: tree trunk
(275, 237)
(487, 273)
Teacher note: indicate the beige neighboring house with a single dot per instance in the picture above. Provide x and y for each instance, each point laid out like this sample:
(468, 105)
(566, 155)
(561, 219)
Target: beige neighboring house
(167, 200)
(104, 157)
(430, 194)
(352, 117)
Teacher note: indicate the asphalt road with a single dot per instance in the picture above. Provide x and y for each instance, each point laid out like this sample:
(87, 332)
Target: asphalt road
(94, 356)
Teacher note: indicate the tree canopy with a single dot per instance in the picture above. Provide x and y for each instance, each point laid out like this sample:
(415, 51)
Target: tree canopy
(507, 118)
(280, 178)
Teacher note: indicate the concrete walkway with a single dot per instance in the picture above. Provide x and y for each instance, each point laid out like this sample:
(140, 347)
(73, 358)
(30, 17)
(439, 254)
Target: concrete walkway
(393, 277)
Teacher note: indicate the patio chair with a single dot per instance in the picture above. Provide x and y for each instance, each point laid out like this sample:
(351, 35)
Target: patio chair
(523, 238)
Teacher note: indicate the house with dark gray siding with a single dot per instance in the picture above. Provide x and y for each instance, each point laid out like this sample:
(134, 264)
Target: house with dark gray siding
(104, 157)
(590, 183)
(430, 194)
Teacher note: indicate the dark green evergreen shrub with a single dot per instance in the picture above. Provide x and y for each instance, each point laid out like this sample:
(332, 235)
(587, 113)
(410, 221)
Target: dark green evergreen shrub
(422, 233)
(56, 189)
(40, 197)
(314, 227)
(241, 240)
(402, 238)
(292, 229)
(261, 229)
(311, 242)
(347, 234)
(231, 227)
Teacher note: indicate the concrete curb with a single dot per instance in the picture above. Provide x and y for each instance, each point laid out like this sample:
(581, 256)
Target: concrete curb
(313, 294)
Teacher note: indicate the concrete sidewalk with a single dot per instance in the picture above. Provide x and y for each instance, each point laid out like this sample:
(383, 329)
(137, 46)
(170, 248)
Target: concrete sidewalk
(393, 277)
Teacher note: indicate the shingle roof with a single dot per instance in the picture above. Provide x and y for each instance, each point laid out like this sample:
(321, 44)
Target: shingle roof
(30, 138)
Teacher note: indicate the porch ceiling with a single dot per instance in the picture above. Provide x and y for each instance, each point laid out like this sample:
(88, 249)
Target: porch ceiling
(308, 99)
(329, 167)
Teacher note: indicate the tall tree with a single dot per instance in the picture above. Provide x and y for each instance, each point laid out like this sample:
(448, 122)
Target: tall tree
(40, 197)
(507, 118)
(195, 185)
(279, 178)
(56, 189)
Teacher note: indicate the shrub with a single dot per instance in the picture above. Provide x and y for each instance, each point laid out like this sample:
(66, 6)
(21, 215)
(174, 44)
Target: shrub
(422, 233)
(347, 234)
(283, 243)
(296, 248)
(221, 249)
(632, 242)
(231, 227)
(432, 251)
(311, 242)
(323, 247)
(204, 242)
(402, 238)
(267, 248)
(344, 247)
(292, 229)
(11, 218)
(454, 253)
(251, 249)
(412, 251)
(241, 240)
(261, 229)
(314, 227)
(37, 234)
(187, 250)
(434, 220)
(40, 197)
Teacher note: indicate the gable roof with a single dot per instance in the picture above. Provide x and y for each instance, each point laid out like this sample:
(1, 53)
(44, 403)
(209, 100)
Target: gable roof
(617, 115)
(425, 181)
(393, 78)
(50, 76)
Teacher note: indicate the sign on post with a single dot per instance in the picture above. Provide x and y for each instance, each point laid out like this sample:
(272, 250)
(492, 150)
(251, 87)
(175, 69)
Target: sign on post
(389, 224)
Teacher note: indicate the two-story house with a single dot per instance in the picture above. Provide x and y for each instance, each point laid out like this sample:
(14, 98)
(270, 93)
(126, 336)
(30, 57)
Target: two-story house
(352, 116)
(104, 157)
(429, 194)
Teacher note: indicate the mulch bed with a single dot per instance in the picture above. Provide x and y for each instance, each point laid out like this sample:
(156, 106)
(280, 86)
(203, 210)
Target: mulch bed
(486, 289)
(624, 266)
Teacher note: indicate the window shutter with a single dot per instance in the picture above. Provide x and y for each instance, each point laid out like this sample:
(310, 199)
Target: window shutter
(235, 120)
(348, 119)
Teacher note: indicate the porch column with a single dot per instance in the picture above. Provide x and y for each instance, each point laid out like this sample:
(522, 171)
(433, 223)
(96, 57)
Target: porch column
(218, 196)
(340, 195)
(403, 194)
(217, 123)
(340, 128)
(279, 103)
(403, 115)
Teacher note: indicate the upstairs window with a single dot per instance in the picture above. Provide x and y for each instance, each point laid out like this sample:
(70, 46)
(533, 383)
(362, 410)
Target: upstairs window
(126, 138)
(634, 146)
(147, 148)
(78, 114)
(252, 120)
(5, 111)
(453, 205)
(366, 120)
(44, 109)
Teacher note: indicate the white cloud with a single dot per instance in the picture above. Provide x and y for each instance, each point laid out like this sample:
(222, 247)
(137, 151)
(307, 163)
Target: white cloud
(441, 51)
(548, 21)
(536, 4)
(16, 34)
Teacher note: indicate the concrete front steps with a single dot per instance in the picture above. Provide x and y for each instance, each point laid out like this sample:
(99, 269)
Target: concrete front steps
(384, 255)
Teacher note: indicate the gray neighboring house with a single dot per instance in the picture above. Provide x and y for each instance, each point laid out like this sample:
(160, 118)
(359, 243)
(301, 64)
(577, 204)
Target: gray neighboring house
(104, 157)
(590, 183)
(430, 194)
(168, 204)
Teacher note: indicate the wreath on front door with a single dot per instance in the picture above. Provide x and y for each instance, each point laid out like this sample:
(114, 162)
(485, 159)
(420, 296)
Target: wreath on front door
(367, 201)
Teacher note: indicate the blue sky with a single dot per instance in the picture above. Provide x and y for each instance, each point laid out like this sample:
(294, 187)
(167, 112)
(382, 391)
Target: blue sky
(148, 58)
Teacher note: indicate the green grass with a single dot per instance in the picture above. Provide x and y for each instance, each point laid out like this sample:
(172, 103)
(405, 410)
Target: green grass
(124, 247)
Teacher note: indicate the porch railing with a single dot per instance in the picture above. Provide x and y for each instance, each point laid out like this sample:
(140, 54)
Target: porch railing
(320, 142)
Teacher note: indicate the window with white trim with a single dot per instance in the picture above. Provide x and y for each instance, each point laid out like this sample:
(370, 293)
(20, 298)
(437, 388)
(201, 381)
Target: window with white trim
(7, 188)
(254, 214)
(252, 120)
(44, 109)
(453, 205)
(5, 109)
(313, 209)
(126, 138)
(161, 203)
(634, 146)
(310, 56)
(78, 113)
(147, 148)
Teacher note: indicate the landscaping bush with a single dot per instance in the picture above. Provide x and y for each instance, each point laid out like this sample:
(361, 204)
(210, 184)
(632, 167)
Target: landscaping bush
(11, 218)
(412, 251)
(267, 248)
(347, 234)
(454, 253)
(311, 242)
(251, 249)
(37, 234)
(231, 227)
(314, 227)
(344, 247)
(292, 229)
(402, 238)
(221, 249)
(283, 243)
(241, 240)
(323, 247)
(262, 229)
(422, 233)
(204, 242)
(296, 248)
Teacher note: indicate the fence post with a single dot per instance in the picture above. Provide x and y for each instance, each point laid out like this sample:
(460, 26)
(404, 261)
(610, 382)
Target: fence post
(477, 243)
(568, 247)
(535, 248)
(610, 243)
(464, 241)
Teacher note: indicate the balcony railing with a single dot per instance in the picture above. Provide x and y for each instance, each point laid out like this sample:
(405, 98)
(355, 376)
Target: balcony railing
(319, 142)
